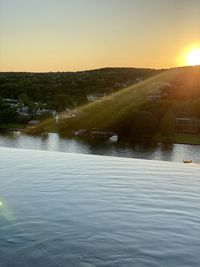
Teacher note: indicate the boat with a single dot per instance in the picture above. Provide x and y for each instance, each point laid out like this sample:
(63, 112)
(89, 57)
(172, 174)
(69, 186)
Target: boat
(187, 161)
(101, 134)
(114, 138)
(81, 132)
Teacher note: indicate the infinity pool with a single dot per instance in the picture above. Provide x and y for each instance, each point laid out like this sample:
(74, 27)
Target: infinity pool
(59, 209)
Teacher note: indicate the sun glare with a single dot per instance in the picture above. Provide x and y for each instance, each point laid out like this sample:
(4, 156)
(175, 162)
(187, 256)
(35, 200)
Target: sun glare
(193, 57)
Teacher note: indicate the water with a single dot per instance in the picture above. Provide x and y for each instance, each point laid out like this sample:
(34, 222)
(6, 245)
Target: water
(143, 149)
(60, 209)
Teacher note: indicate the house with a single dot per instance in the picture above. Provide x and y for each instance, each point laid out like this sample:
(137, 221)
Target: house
(42, 111)
(139, 79)
(24, 111)
(154, 97)
(189, 125)
(33, 122)
(162, 92)
(95, 97)
(11, 102)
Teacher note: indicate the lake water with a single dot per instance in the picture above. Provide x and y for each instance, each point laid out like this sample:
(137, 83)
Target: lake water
(62, 209)
(143, 149)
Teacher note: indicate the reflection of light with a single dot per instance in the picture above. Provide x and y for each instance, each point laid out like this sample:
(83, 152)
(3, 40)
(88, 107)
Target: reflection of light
(5, 212)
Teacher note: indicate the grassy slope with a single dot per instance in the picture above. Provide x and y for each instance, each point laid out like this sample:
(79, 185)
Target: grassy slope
(115, 107)
(106, 113)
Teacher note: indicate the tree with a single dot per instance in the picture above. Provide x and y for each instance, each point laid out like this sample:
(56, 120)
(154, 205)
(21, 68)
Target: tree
(168, 124)
(138, 124)
(23, 98)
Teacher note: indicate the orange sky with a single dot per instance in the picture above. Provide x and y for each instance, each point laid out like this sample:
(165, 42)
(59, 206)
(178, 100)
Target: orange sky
(66, 35)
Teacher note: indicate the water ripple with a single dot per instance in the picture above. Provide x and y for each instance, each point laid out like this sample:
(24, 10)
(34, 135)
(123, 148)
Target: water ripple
(74, 210)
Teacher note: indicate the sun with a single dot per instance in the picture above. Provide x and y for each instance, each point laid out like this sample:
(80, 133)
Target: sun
(193, 57)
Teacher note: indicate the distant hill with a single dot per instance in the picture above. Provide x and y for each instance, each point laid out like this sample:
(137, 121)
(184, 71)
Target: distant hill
(142, 105)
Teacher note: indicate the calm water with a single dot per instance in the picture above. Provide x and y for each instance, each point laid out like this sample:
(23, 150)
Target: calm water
(145, 150)
(60, 209)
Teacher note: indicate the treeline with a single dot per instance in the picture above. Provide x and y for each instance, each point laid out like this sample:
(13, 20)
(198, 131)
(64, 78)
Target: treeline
(7, 113)
(68, 89)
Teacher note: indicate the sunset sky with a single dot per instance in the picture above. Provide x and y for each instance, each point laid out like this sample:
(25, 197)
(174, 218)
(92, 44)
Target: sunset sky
(66, 35)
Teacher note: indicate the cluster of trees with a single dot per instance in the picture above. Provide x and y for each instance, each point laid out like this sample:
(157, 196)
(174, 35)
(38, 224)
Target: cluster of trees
(7, 113)
(157, 117)
(61, 90)
(67, 89)
(137, 124)
(147, 120)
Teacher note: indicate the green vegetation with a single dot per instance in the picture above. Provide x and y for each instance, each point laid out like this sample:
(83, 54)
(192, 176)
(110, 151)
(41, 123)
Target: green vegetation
(67, 89)
(178, 138)
(7, 113)
(146, 108)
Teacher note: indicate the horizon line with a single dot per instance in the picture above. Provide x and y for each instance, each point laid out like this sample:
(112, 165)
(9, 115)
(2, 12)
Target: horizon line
(95, 69)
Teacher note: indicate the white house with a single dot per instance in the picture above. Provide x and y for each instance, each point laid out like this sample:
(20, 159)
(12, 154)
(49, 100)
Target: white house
(95, 97)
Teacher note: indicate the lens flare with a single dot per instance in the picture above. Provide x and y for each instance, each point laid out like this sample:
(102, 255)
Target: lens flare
(193, 57)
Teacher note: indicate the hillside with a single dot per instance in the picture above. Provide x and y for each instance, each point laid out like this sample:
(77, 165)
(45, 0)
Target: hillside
(58, 90)
(148, 107)
(147, 101)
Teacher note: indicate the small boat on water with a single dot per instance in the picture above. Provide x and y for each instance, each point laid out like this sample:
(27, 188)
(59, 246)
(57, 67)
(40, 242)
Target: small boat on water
(114, 138)
(187, 161)
(97, 134)
(81, 132)
(101, 134)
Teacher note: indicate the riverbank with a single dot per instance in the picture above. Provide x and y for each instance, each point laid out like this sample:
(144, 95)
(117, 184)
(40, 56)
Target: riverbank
(176, 138)
(146, 149)
(12, 127)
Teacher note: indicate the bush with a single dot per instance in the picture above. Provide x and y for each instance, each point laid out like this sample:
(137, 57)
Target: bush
(138, 124)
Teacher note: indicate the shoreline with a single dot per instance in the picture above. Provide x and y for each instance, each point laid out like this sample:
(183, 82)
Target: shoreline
(184, 139)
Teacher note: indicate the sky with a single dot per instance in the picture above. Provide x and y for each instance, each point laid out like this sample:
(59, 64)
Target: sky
(70, 35)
